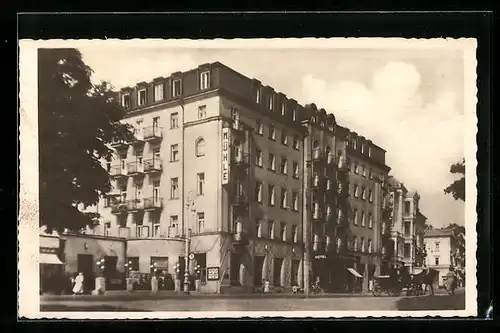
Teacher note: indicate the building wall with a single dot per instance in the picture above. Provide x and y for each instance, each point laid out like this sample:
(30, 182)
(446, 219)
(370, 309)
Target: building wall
(144, 249)
(96, 246)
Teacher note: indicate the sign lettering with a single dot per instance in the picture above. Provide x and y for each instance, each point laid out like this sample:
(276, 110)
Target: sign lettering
(225, 155)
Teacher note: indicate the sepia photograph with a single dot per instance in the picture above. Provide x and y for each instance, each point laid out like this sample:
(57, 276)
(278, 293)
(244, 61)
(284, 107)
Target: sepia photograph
(256, 178)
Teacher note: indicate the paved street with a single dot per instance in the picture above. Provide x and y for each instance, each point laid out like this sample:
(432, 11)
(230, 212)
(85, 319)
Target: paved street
(440, 301)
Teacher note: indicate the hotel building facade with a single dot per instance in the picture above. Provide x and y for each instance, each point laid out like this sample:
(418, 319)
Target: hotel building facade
(261, 186)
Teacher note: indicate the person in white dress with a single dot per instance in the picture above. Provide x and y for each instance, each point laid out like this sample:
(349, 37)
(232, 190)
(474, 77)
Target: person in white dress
(78, 287)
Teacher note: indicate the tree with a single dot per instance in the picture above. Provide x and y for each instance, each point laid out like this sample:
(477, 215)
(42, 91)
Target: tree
(77, 121)
(457, 188)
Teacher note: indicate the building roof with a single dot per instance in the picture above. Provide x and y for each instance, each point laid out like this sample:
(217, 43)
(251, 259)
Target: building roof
(438, 233)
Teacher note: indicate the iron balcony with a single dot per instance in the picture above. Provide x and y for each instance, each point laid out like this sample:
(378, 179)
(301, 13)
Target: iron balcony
(153, 203)
(152, 133)
(117, 171)
(135, 168)
(152, 165)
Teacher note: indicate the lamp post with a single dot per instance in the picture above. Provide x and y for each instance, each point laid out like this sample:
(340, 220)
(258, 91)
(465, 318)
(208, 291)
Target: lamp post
(190, 208)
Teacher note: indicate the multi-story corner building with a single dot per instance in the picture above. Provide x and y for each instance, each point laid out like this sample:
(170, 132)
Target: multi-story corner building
(406, 227)
(247, 183)
(444, 250)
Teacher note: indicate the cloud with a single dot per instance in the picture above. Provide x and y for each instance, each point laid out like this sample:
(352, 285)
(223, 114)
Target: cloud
(421, 140)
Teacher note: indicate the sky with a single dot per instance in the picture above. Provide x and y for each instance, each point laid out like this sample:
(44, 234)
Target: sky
(408, 101)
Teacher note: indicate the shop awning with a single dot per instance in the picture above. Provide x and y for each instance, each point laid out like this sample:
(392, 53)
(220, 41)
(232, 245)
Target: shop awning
(49, 259)
(353, 272)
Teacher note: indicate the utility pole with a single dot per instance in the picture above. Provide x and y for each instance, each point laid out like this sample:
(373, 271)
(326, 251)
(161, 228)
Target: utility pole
(186, 259)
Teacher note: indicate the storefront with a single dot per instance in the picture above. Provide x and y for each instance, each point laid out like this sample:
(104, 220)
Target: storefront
(51, 266)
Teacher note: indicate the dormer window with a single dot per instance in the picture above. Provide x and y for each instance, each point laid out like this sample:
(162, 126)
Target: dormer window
(294, 114)
(271, 102)
(257, 96)
(158, 95)
(141, 97)
(126, 101)
(204, 80)
(176, 88)
(283, 109)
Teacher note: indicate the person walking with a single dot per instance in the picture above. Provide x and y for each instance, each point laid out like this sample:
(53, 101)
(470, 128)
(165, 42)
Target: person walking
(451, 280)
(78, 286)
(428, 281)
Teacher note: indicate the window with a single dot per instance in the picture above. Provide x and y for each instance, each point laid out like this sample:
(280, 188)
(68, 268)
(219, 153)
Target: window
(370, 246)
(436, 261)
(370, 173)
(200, 219)
(284, 198)
(141, 97)
(271, 102)
(271, 195)
(295, 198)
(362, 244)
(355, 211)
(355, 243)
(174, 153)
(258, 229)
(107, 229)
(272, 132)
(354, 144)
(201, 183)
(356, 190)
(158, 93)
(363, 168)
(174, 226)
(174, 120)
(156, 230)
(284, 166)
(258, 157)
(295, 170)
(283, 231)
(295, 142)
(339, 243)
(283, 108)
(138, 129)
(369, 151)
(176, 88)
(156, 125)
(259, 127)
(370, 220)
(257, 95)
(436, 246)
(284, 138)
(258, 192)
(295, 234)
(272, 162)
(204, 80)
(294, 114)
(370, 196)
(356, 170)
(363, 193)
(174, 188)
(126, 101)
(363, 219)
(200, 147)
(270, 229)
(407, 207)
(202, 111)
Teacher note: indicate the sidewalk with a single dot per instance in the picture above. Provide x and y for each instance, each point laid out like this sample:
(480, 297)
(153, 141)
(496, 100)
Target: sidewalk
(149, 295)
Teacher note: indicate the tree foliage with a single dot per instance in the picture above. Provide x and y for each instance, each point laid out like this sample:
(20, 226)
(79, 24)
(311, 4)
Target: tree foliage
(457, 188)
(77, 121)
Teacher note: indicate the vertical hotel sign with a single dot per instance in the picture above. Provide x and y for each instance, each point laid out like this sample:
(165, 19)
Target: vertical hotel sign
(226, 139)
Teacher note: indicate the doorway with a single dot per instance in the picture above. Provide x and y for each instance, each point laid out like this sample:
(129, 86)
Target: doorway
(277, 265)
(85, 265)
(295, 272)
(113, 281)
(234, 271)
(258, 265)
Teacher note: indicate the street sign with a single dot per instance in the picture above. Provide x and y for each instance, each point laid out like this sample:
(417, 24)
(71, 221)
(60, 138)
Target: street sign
(191, 256)
(213, 273)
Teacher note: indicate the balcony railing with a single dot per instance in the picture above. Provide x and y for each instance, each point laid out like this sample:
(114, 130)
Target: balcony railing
(118, 206)
(342, 164)
(119, 144)
(135, 168)
(153, 203)
(152, 133)
(138, 136)
(118, 171)
(240, 159)
(316, 155)
(152, 165)
(135, 205)
(240, 200)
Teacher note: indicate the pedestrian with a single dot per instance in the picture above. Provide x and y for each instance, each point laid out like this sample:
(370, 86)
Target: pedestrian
(78, 284)
(266, 286)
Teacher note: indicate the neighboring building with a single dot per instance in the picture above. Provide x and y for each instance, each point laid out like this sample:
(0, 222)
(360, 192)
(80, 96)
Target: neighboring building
(444, 250)
(267, 188)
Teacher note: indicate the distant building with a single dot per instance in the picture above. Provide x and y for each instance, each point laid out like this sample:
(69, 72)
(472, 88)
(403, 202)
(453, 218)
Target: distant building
(444, 250)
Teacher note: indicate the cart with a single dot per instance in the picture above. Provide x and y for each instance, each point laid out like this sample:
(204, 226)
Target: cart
(386, 285)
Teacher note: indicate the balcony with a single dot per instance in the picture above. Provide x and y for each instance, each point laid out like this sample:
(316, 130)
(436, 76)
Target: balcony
(135, 168)
(119, 144)
(117, 171)
(138, 137)
(135, 205)
(316, 156)
(240, 160)
(152, 166)
(153, 203)
(237, 127)
(240, 200)
(239, 238)
(331, 159)
(342, 164)
(152, 133)
(118, 206)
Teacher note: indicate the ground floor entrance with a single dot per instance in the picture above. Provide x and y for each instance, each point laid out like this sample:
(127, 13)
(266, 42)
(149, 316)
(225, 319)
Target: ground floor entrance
(85, 265)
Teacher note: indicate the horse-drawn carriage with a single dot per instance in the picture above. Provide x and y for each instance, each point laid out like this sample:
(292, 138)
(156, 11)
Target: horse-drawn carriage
(386, 284)
(415, 284)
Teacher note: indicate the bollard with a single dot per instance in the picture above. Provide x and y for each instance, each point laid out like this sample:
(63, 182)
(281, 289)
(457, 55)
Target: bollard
(130, 284)
(154, 284)
(100, 286)
(177, 284)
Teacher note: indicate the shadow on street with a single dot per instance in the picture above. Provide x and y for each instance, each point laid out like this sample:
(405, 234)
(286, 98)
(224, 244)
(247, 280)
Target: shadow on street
(448, 302)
